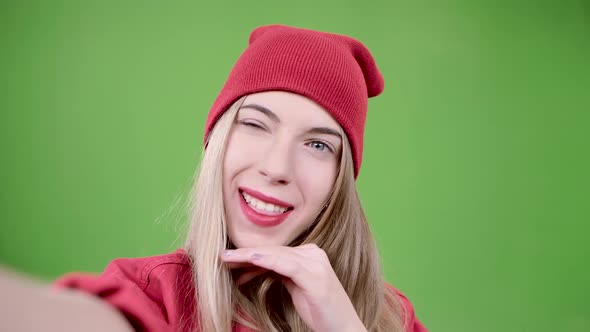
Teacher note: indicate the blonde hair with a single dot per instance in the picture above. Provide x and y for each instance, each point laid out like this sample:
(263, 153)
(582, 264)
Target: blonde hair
(264, 304)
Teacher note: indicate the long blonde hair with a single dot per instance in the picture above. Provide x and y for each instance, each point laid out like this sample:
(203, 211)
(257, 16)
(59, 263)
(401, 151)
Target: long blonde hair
(263, 303)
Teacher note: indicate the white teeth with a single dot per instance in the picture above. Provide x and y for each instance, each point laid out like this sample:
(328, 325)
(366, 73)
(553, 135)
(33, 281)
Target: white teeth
(259, 205)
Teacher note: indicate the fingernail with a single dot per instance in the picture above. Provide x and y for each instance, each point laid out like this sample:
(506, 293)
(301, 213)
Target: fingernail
(227, 253)
(257, 257)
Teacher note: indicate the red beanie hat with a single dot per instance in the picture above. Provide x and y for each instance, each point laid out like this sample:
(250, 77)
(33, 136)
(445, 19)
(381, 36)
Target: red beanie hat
(336, 71)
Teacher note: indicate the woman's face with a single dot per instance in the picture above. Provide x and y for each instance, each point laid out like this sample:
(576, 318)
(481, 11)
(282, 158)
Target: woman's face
(279, 168)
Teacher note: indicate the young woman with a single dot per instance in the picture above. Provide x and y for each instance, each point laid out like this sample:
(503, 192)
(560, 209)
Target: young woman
(278, 240)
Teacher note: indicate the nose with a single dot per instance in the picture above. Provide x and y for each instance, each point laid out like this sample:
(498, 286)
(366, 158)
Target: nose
(277, 165)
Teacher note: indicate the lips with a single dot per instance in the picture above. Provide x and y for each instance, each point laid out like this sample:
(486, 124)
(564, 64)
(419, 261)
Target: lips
(263, 210)
(262, 197)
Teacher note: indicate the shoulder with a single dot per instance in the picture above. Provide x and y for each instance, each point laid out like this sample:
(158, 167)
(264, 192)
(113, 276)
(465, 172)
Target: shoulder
(146, 270)
(137, 270)
(411, 322)
(152, 292)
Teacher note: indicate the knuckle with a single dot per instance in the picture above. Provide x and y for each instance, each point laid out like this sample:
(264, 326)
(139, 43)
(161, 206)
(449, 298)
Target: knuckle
(310, 246)
(320, 252)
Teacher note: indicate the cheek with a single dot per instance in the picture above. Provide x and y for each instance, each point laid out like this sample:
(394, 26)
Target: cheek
(316, 181)
(240, 153)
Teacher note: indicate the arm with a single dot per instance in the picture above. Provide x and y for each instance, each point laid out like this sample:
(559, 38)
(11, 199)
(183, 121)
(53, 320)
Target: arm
(29, 305)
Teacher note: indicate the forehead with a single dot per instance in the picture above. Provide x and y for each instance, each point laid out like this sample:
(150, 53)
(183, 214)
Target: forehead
(292, 107)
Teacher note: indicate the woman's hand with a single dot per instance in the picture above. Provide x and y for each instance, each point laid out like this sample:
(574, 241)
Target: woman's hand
(317, 294)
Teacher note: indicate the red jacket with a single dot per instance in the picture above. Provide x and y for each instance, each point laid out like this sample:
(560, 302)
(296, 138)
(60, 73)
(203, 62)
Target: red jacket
(157, 293)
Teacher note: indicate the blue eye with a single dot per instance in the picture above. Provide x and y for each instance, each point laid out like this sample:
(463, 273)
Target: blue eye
(320, 146)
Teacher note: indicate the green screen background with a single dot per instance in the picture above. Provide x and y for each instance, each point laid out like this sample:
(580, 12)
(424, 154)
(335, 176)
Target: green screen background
(475, 173)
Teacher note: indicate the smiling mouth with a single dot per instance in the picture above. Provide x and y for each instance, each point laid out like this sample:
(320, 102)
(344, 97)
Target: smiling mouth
(263, 207)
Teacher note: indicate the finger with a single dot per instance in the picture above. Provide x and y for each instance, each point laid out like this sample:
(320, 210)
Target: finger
(245, 254)
(290, 285)
(235, 259)
(237, 255)
(291, 266)
(286, 261)
(309, 245)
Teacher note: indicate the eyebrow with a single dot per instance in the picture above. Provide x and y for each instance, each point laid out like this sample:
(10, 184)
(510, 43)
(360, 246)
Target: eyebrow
(264, 110)
(326, 131)
(275, 118)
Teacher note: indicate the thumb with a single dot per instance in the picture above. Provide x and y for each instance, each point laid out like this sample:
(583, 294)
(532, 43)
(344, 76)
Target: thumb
(290, 285)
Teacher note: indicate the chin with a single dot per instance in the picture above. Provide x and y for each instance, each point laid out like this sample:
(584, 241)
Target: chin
(255, 244)
(255, 241)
